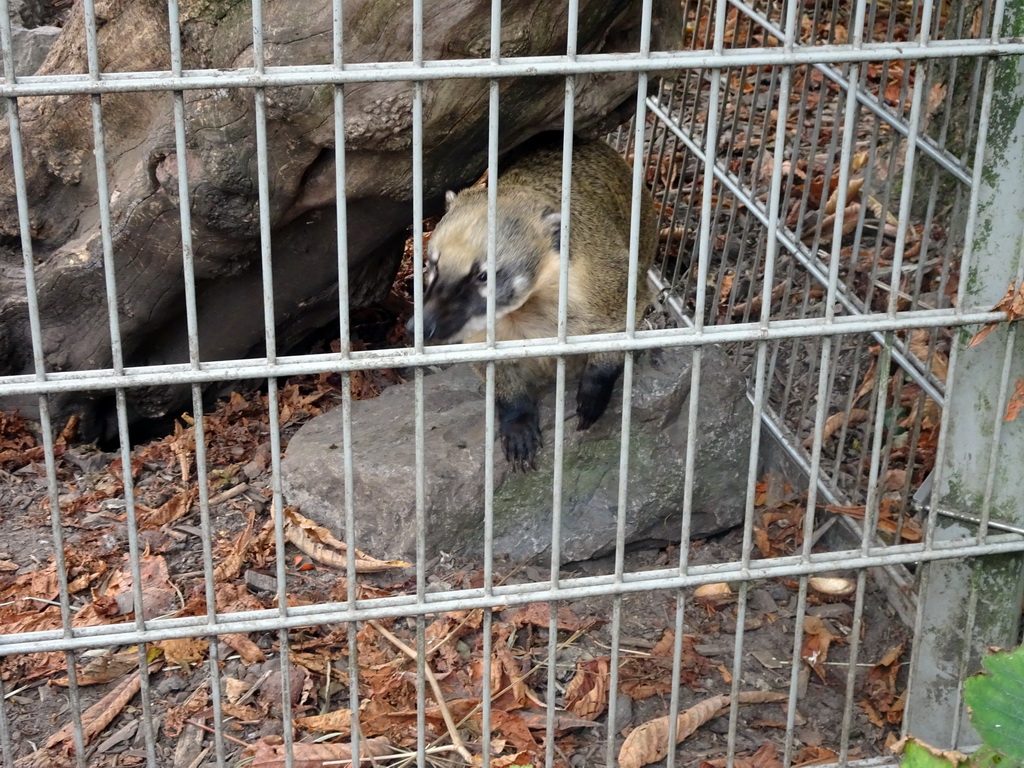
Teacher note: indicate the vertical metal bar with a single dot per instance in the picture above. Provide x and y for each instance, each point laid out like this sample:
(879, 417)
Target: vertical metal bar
(53, 497)
(639, 130)
(39, 366)
(6, 744)
(127, 480)
(849, 136)
(559, 436)
(191, 320)
(345, 348)
(908, 172)
(703, 266)
(421, 547)
(273, 407)
(493, 116)
(113, 315)
(774, 201)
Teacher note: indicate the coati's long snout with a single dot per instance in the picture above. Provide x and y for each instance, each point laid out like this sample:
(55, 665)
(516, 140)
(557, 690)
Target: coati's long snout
(526, 279)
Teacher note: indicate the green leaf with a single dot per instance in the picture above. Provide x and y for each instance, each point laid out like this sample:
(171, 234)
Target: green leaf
(986, 757)
(997, 703)
(917, 755)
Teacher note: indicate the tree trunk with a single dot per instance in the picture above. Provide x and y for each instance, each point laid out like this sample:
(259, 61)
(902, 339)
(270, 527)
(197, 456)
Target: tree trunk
(220, 125)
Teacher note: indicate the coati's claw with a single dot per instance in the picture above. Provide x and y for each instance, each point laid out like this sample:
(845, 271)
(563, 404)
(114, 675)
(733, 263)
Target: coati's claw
(594, 393)
(520, 439)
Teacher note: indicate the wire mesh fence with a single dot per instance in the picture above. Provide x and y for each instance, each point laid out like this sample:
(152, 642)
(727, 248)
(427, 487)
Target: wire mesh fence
(826, 178)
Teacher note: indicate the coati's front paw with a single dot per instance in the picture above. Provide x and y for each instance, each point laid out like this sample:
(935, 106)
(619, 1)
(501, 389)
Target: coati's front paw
(520, 438)
(594, 394)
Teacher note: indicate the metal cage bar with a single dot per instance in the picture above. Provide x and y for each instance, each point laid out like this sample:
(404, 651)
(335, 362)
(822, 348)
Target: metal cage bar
(801, 325)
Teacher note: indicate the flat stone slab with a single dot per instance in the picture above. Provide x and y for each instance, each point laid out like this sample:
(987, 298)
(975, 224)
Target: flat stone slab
(383, 436)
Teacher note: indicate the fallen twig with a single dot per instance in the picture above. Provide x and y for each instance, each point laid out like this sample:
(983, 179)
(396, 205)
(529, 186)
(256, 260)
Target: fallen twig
(230, 493)
(457, 741)
(208, 729)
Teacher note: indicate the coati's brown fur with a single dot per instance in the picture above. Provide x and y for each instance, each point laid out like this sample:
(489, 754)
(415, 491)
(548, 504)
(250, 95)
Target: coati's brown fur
(527, 271)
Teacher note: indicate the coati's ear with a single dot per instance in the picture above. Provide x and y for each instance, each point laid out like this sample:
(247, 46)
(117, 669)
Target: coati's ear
(552, 221)
(449, 198)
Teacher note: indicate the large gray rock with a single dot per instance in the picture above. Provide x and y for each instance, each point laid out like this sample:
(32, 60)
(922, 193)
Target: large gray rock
(383, 434)
(30, 48)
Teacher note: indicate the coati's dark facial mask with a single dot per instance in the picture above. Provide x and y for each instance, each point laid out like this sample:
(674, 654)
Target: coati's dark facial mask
(456, 285)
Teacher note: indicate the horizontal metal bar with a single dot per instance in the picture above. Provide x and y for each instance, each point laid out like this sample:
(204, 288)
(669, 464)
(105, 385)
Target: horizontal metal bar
(523, 66)
(183, 373)
(966, 517)
(926, 144)
(913, 367)
(506, 595)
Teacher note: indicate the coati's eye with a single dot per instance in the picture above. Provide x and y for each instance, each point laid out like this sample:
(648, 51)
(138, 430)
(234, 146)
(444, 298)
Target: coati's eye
(482, 276)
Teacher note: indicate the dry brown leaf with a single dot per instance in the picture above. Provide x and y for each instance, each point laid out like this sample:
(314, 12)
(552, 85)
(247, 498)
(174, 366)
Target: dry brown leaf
(910, 529)
(537, 720)
(109, 666)
(244, 713)
(1012, 304)
(269, 752)
(321, 545)
(835, 421)
(936, 96)
(586, 695)
(245, 647)
(515, 729)
(883, 702)
(159, 596)
(868, 383)
(174, 508)
(766, 757)
(814, 756)
(763, 542)
(739, 310)
(99, 715)
(919, 344)
(817, 640)
(539, 614)
(850, 216)
(519, 758)
(339, 721)
(503, 657)
(1016, 401)
(234, 689)
(853, 187)
(648, 743)
(666, 647)
(871, 713)
(980, 335)
(196, 702)
(950, 755)
(231, 565)
(184, 651)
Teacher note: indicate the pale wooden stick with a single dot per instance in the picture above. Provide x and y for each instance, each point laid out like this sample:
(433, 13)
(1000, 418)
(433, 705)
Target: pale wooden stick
(457, 741)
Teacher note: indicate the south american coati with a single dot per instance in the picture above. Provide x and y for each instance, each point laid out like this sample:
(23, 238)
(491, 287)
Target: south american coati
(527, 270)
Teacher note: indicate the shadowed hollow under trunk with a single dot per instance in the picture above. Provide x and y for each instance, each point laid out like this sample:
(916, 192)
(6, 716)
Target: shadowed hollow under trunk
(143, 168)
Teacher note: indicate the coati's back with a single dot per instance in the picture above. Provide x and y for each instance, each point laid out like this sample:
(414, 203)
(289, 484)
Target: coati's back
(527, 265)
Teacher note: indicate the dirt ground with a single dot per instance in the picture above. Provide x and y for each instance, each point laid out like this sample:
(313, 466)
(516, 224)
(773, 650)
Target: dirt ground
(96, 542)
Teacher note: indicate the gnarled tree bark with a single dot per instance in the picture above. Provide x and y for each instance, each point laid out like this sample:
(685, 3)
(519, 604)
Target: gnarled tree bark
(143, 170)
